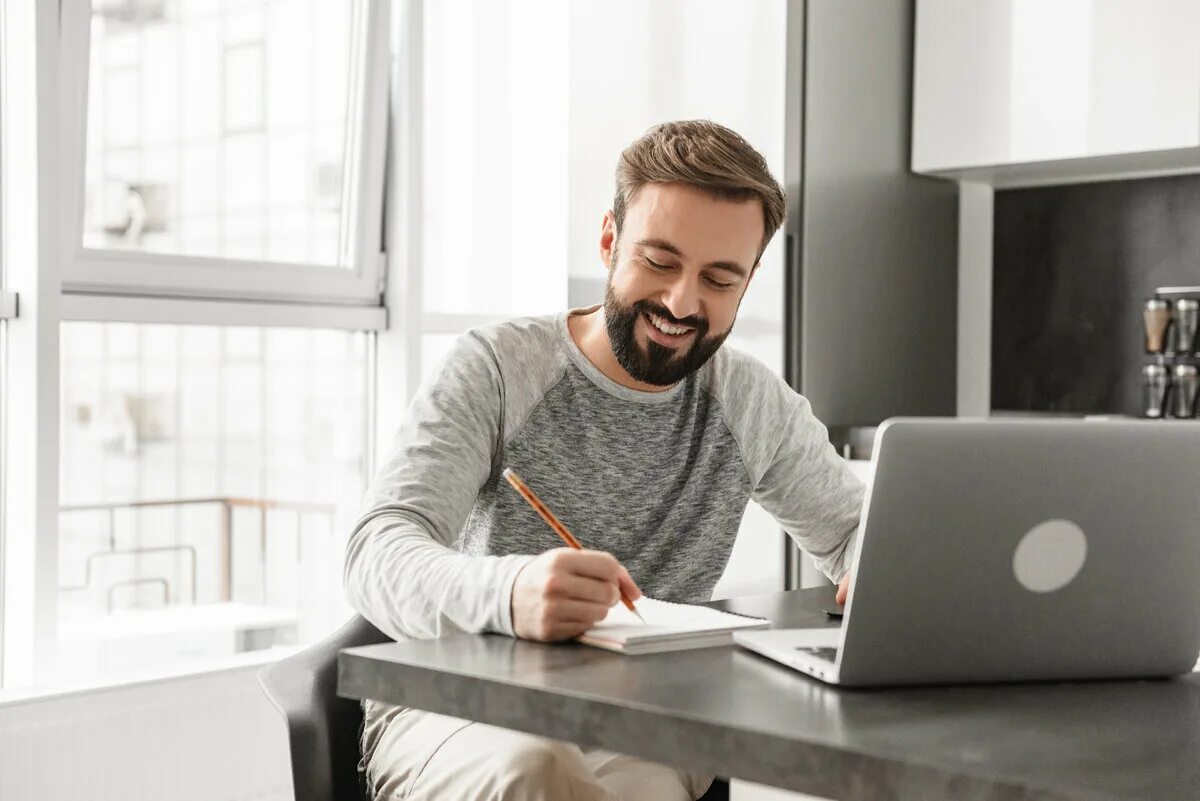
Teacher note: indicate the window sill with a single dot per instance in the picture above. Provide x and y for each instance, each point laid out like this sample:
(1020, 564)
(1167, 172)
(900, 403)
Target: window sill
(251, 660)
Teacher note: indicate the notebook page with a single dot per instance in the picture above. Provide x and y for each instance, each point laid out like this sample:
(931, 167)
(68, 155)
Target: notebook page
(664, 619)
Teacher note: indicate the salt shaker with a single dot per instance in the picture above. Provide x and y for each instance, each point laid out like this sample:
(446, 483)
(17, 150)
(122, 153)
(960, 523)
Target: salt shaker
(1187, 381)
(1187, 314)
(1154, 382)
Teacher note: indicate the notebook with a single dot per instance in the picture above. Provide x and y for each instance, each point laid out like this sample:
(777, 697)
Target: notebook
(668, 627)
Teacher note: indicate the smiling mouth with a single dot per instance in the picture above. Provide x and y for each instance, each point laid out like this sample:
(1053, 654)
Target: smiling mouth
(665, 332)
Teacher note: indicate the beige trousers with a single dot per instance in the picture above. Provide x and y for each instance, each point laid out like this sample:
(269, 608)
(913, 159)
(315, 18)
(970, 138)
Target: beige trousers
(410, 754)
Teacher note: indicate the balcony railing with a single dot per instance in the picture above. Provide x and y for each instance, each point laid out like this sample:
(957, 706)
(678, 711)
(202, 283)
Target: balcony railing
(227, 506)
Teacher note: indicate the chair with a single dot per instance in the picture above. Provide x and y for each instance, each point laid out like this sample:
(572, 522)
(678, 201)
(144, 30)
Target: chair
(323, 729)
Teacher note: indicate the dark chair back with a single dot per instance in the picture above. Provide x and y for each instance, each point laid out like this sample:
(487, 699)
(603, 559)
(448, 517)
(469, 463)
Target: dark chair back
(323, 730)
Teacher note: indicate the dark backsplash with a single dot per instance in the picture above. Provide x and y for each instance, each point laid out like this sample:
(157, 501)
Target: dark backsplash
(1072, 267)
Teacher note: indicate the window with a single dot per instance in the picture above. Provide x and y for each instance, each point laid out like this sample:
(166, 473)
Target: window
(209, 477)
(247, 163)
(191, 422)
(197, 363)
(230, 148)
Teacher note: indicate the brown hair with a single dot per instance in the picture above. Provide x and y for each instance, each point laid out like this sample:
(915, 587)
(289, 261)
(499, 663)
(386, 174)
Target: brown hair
(705, 155)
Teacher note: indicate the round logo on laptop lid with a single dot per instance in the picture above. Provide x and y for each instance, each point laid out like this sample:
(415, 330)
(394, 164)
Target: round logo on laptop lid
(1050, 555)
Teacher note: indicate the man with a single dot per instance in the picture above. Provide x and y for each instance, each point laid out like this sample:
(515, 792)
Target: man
(632, 423)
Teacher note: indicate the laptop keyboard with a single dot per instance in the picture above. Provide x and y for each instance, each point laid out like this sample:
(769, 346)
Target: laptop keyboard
(828, 654)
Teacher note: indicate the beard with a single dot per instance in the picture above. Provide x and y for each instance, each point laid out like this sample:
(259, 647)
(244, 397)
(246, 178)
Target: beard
(655, 364)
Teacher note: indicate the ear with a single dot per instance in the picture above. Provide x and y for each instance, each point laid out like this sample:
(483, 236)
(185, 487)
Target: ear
(608, 239)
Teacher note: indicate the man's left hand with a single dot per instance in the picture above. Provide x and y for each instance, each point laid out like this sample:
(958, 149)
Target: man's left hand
(843, 590)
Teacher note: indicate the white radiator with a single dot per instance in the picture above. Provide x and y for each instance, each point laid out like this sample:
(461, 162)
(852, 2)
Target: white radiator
(213, 737)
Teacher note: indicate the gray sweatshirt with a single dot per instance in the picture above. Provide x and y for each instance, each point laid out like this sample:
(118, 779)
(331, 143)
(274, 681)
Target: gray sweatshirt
(658, 479)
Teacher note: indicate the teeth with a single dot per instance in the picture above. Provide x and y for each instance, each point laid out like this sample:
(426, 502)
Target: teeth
(667, 328)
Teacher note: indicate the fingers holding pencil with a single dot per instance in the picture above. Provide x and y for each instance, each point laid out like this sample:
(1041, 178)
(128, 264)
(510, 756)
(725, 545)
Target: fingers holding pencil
(563, 592)
(628, 590)
(551, 520)
(589, 569)
(607, 568)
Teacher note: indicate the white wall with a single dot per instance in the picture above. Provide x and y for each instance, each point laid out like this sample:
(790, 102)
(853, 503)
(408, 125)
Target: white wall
(493, 210)
(213, 737)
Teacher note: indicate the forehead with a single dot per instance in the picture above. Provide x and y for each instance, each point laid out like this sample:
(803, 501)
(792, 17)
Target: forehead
(703, 227)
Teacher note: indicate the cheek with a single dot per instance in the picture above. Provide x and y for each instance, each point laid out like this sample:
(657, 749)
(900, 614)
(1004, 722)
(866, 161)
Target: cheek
(721, 312)
(631, 283)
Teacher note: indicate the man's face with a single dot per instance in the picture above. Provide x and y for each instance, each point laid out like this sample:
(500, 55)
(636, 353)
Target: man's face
(677, 274)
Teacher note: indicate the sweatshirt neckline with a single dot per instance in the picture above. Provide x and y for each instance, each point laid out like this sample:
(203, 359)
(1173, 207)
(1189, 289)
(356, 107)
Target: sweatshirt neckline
(594, 374)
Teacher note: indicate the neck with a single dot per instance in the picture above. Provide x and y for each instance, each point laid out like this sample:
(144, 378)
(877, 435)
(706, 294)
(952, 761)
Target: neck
(591, 336)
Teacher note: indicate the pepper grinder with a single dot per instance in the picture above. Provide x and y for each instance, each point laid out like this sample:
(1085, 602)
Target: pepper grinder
(1156, 315)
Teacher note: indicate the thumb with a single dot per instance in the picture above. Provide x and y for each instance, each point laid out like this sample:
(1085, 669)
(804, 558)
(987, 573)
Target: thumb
(843, 590)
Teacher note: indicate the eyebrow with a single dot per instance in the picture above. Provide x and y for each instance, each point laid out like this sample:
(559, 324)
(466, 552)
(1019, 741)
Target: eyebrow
(662, 244)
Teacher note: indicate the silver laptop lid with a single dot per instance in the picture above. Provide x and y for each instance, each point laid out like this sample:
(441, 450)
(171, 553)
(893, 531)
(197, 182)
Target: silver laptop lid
(1006, 550)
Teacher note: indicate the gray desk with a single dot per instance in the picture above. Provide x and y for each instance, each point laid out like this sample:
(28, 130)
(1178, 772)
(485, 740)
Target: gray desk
(736, 714)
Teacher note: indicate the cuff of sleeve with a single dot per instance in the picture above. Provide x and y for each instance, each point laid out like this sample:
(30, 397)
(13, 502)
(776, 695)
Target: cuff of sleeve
(512, 566)
(847, 559)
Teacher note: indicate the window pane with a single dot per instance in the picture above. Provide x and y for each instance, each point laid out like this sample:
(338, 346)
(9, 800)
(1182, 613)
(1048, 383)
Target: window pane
(209, 479)
(219, 129)
(494, 204)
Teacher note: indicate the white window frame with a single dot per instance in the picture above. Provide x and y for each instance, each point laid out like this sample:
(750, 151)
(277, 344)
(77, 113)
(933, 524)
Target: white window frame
(30, 239)
(398, 348)
(8, 311)
(113, 271)
(43, 83)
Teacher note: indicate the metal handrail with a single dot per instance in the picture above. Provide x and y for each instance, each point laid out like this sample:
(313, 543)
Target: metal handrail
(92, 557)
(227, 503)
(157, 581)
(256, 503)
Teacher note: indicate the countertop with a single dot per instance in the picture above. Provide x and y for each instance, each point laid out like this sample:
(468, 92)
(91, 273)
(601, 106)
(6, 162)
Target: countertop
(737, 714)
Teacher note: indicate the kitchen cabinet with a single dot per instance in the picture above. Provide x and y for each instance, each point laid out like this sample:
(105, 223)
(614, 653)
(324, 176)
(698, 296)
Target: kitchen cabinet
(1026, 92)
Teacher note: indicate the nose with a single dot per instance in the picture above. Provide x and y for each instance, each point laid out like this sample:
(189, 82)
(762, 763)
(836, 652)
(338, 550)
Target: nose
(682, 298)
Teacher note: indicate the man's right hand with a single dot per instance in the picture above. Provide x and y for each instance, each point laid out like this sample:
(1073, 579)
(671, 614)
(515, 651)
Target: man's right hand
(564, 592)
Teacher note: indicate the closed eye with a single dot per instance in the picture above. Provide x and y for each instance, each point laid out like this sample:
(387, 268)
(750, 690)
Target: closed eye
(714, 283)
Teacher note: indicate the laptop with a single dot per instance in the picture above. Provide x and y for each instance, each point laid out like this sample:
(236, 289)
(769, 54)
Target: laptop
(1000, 550)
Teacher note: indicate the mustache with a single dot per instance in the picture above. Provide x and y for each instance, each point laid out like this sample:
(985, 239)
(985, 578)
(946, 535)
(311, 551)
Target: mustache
(650, 307)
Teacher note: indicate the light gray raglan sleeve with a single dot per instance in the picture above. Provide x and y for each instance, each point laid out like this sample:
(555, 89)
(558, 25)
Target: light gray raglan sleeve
(811, 491)
(797, 474)
(401, 570)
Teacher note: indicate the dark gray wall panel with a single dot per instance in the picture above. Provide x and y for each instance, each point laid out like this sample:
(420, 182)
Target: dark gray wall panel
(877, 244)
